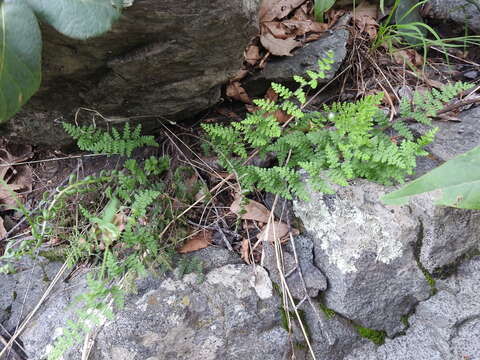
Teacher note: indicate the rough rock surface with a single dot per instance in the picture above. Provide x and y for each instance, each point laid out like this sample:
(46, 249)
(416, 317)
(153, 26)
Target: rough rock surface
(365, 250)
(463, 12)
(448, 233)
(219, 318)
(163, 58)
(445, 327)
(230, 312)
(315, 281)
(306, 58)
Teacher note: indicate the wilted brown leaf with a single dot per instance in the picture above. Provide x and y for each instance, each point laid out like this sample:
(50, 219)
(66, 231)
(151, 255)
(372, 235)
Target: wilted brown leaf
(301, 27)
(251, 211)
(17, 177)
(3, 231)
(365, 18)
(245, 251)
(252, 54)
(409, 56)
(272, 231)
(277, 9)
(237, 92)
(277, 29)
(200, 240)
(278, 47)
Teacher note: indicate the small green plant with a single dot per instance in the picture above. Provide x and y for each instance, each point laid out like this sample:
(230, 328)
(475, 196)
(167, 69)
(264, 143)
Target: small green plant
(21, 43)
(404, 29)
(111, 220)
(343, 142)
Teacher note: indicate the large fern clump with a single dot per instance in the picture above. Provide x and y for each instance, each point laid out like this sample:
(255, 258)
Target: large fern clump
(344, 141)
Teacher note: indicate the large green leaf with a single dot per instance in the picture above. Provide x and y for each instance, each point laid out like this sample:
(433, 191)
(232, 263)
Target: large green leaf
(20, 56)
(79, 19)
(458, 181)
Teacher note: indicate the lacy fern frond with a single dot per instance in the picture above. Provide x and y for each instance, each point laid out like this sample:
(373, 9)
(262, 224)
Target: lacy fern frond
(98, 141)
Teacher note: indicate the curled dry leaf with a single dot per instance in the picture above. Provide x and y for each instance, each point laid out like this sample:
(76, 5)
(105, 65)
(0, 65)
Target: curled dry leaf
(277, 9)
(365, 18)
(277, 29)
(275, 230)
(251, 211)
(278, 47)
(252, 55)
(237, 92)
(245, 251)
(409, 56)
(3, 231)
(17, 177)
(200, 240)
(301, 27)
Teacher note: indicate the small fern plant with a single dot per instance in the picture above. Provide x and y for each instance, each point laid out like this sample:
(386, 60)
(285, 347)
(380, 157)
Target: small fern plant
(89, 138)
(344, 141)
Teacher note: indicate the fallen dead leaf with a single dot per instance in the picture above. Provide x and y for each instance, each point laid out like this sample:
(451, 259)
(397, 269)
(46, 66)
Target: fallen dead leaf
(409, 56)
(301, 27)
(277, 29)
(242, 73)
(365, 18)
(245, 251)
(200, 240)
(277, 9)
(278, 47)
(251, 211)
(3, 231)
(272, 231)
(252, 55)
(17, 177)
(237, 92)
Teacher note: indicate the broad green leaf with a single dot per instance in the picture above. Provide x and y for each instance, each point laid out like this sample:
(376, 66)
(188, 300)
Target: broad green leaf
(458, 181)
(79, 19)
(320, 7)
(408, 12)
(20, 57)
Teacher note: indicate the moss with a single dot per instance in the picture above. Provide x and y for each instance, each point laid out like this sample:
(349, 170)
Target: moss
(329, 313)
(293, 317)
(404, 320)
(375, 336)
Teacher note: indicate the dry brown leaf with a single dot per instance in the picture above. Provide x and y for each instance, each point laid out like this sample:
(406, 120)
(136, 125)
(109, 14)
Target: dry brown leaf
(272, 231)
(365, 18)
(277, 29)
(278, 47)
(277, 9)
(245, 251)
(281, 116)
(410, 56)
(301, 27)
(251, 211)
(271, 95)
(17, 177)
(301, 13)
(237, 92)
(3, 231)
(200, 240)
(252, 56)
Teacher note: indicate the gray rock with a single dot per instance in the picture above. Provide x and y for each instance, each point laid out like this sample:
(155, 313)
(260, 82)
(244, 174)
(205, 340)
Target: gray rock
(283, 69)
(365, 250)
(463, 12)
(21, 290)
(220, 318)
(167, 59)
(445, 327)
(315, 281)
(448, 233)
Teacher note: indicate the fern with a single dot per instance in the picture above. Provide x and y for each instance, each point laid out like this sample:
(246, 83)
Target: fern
(98, 141)
(340, 143)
